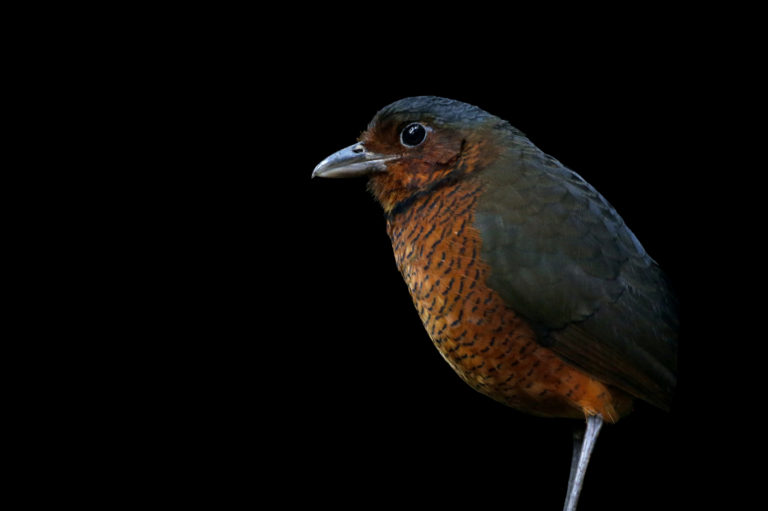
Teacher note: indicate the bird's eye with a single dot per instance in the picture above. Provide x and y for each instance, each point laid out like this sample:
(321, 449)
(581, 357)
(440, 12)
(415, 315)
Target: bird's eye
(413, 134)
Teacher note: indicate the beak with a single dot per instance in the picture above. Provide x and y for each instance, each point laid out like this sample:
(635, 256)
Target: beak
(352, 161)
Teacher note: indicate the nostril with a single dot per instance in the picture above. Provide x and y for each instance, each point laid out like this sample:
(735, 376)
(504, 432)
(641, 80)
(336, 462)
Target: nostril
(358, 149)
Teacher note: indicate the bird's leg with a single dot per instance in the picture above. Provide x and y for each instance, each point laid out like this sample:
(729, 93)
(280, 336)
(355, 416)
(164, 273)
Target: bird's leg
(578, 440)
(583, 443)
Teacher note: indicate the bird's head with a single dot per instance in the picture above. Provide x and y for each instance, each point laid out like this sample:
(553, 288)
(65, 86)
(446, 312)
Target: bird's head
(416, 143)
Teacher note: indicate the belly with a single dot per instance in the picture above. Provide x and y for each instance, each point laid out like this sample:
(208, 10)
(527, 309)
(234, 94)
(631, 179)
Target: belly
(490, 347)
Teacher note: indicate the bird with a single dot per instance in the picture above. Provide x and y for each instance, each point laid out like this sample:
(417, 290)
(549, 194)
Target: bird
(526, 279)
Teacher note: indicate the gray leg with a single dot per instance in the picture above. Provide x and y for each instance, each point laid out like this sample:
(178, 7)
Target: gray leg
(583, 443)
(578, 440)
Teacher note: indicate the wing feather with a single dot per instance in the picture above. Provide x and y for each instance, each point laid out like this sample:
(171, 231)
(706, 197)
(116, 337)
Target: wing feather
(562, 257)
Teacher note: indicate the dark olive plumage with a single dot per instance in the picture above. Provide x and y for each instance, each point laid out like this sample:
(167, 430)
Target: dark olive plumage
(561, 256)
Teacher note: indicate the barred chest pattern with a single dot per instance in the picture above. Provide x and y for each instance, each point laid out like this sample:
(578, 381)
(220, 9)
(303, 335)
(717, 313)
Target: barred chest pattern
(437, 250)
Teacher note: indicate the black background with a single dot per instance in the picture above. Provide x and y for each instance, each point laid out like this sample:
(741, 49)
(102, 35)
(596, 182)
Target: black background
(280, 354)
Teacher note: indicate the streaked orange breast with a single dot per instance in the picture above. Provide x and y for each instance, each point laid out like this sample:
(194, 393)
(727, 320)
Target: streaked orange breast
(490, 347)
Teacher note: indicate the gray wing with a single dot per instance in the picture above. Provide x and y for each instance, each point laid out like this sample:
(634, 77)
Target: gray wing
(562, 257)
